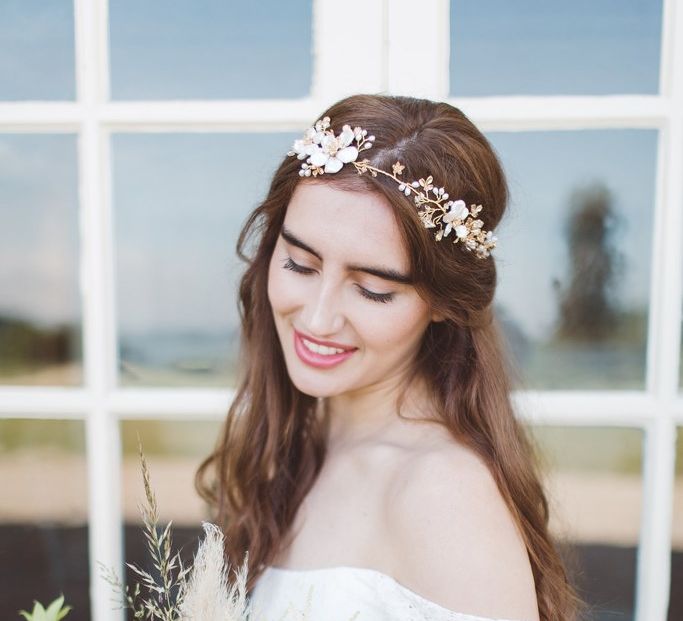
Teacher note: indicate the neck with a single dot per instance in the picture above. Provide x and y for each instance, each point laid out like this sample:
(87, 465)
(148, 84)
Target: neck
(371, 414)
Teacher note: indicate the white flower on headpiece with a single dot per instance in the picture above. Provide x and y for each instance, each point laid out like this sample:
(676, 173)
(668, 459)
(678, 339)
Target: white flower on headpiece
(303, 147)
(334, 151)
(457, 213)
(461, 231)
(490, 239)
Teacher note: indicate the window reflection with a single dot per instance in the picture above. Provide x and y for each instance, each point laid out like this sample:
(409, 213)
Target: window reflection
(179, 202)
(162, 50)
(594, 488)
(37, 50)
(676, 593)
(173, 450)
(555, 48)
(40, 318)
(680, 362)
(574, 255)
(43, 515)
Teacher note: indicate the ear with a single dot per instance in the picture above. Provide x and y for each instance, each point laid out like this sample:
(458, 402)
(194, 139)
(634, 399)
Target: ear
(437, 316)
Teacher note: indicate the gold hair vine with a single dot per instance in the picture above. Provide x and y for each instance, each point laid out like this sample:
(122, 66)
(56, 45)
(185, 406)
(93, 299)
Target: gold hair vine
(326, 153)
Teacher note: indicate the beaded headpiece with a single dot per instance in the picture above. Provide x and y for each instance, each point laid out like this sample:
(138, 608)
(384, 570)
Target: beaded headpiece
(326, 153)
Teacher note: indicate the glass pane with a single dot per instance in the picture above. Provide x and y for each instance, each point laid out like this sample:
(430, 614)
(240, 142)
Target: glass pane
(37, 50)
(676, 592)
(680, 360)
(594, 490)
(43, 516)
(164, 50)
(173, 451)
(555, 48)
(180, 201)
(40, 317)
(580, 223)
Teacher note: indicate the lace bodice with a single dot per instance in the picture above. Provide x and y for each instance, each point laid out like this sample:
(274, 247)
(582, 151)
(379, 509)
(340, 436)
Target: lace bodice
(343, 594)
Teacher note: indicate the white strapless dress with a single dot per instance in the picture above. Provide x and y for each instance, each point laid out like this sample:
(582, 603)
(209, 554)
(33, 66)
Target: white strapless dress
(343, 594)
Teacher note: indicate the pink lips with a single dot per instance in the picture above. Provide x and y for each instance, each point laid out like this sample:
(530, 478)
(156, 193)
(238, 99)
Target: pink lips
(318, 360)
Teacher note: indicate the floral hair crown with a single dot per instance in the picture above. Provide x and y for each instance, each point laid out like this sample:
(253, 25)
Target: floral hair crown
(326, 153)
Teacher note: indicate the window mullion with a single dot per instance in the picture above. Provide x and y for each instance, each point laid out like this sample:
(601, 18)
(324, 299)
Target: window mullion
(96, 282)
(348, 42)
(418, 40)
(654, 558)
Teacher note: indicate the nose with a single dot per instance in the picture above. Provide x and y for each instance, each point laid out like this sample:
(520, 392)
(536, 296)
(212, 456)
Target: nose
(324, 315)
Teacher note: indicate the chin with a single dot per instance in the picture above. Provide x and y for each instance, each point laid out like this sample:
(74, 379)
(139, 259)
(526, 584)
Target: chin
(313, 393)
(313, 388)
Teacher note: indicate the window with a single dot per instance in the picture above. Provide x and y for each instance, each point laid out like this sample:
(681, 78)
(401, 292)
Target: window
(132, 145)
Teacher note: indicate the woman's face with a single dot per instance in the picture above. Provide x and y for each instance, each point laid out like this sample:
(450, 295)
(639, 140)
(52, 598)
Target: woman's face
(321, 287)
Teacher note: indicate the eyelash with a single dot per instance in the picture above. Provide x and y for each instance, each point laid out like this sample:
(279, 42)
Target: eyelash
(375, 297)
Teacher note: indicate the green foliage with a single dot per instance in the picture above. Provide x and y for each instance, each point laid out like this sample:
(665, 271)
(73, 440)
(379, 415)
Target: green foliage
(25, 345)
(66, 437)
(54, 612)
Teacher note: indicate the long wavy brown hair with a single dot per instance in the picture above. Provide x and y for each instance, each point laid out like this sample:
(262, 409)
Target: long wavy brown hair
(273, 442)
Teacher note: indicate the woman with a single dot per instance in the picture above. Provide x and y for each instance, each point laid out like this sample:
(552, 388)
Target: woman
(371, 453)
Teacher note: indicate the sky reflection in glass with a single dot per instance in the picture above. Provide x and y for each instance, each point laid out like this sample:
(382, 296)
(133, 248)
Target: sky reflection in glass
(173, 50)
(576, 312)
(40, 316)
(179, 203)
(36, 50)
(528, 47)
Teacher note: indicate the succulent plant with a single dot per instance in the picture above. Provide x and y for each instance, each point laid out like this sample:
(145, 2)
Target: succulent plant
(54, 612)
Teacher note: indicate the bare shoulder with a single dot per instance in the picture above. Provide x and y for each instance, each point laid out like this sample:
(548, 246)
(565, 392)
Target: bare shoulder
(455, 541)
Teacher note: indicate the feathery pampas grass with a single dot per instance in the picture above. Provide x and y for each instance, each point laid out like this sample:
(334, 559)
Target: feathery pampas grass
(208, 595)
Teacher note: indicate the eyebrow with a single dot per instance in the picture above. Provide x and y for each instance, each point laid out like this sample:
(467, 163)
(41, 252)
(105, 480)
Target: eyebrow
(381, 272)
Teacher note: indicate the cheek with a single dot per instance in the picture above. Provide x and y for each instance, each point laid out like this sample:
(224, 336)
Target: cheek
(395, 329)
(275, 288)
(284, 291)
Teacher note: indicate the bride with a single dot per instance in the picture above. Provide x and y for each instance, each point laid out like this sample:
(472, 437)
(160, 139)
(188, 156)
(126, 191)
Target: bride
(371, 463)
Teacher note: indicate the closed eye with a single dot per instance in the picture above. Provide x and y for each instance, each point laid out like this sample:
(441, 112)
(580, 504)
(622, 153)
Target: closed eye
(288, 264)
(295, 267)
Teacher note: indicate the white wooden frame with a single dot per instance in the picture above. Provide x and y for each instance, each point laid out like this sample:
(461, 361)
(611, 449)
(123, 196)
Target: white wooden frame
(389, 58)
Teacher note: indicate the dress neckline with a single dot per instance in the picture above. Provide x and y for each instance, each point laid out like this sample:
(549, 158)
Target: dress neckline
(461, 616)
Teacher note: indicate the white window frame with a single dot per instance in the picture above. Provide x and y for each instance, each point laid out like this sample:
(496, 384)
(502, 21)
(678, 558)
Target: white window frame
(387, 55)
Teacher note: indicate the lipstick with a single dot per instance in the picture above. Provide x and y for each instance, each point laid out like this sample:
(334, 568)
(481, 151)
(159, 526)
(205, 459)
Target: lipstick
(314, 359)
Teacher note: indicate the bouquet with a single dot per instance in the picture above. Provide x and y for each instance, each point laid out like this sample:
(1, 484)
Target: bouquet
(200, 592)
